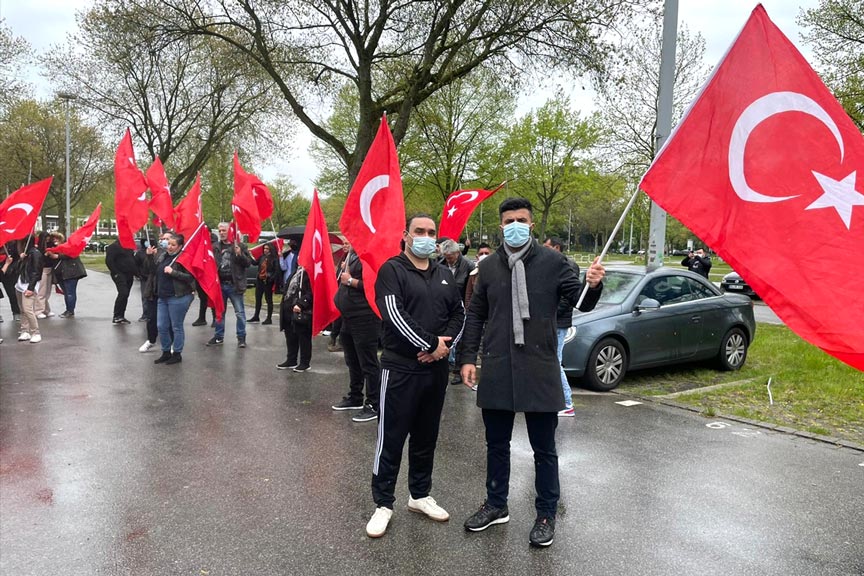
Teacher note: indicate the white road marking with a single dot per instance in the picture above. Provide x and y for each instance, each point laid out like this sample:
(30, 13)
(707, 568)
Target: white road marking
(628, 403)
(717, 425)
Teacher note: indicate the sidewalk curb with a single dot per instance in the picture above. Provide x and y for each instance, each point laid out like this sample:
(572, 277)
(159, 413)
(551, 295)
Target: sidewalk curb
(755, 423)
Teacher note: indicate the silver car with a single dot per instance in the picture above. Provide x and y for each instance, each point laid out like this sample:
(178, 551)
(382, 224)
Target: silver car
(647, 319)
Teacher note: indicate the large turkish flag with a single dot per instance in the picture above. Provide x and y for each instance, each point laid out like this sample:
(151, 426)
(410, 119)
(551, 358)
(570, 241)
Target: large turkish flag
(316, 256)
(198, 258)
(763, 168)
(78, 239)
(188, 214)
(160, 193)
(18, 212)
(374, 215)
(131, 207)
(458, 209)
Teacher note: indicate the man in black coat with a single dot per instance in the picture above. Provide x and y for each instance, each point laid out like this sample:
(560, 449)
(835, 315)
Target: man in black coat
(121, 263)
(697, 262)
(422, 317)
(521, 372)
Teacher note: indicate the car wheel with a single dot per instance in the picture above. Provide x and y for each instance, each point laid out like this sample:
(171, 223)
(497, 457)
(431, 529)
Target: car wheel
(733, 350)
(606, 365)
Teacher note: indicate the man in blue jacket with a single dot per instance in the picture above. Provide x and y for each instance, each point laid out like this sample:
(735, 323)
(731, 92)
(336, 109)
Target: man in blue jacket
(422, 316)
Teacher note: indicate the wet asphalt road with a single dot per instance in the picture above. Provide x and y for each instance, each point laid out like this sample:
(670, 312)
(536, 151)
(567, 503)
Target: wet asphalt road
(224, 466)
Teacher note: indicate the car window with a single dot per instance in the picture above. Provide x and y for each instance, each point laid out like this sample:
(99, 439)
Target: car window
(699, 290)
(667, 290)
(616, 286)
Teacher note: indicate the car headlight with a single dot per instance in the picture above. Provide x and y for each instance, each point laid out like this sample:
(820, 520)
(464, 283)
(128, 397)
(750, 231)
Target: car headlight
(571, 334)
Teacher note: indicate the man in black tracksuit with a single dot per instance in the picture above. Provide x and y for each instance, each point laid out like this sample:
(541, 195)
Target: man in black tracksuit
(422, 317)
(121, 263)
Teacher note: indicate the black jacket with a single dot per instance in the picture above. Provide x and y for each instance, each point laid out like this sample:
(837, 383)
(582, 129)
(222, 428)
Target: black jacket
(700, 265)
(521, 378)
(417, 306)
(68, 268)
(351, 300)
(120, 260)
(184, 282)
(30, 267)
(297, 293)
(564, 316)
(237, 264)
(463, 269)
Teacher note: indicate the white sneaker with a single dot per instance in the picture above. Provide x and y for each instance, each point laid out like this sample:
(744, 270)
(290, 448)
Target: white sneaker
(49, 314)
(41, 316)
(36, 338)
(377, 525)
(429, 507)
(146, 346)
(24, 337)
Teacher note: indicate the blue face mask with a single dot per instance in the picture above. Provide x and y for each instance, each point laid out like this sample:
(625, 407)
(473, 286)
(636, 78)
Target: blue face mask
(163, 244)
(516, 234)
(423, 246)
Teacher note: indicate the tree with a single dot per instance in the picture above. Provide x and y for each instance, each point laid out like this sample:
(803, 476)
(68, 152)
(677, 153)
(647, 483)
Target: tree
(392, 55)
(33, 147)
(836, 34)
(15, 54)
(547, 151)
(184, 100)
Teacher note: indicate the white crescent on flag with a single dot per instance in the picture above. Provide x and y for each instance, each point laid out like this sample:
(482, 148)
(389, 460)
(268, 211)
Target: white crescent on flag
(27, 208)
(371, 188)
(317, 250)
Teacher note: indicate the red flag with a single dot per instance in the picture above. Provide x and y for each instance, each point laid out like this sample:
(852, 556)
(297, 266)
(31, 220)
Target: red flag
(18, 213)
(458, 209)
(188, 213)
(252, 202)
(374, 215)
(130, 200)
(263, 198)
(316, 257)
(160, 193)
(197, 257)
(76, 242)
(763, 168)
(258, 250)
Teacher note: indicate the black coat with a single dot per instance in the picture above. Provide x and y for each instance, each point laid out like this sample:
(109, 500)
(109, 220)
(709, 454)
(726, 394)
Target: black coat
(521, 378)
(120, 260)
(463, 269)
(351, 300)
(297, 293)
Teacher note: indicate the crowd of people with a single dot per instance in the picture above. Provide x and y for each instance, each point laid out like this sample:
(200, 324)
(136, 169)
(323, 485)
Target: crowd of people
(440, 312)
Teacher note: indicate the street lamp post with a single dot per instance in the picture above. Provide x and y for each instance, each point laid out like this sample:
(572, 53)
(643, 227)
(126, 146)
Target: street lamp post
(68, 97)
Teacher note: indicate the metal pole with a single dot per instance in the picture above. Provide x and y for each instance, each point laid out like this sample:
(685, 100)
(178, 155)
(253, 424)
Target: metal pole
(68, 97)
(569, 230)
(657, 237)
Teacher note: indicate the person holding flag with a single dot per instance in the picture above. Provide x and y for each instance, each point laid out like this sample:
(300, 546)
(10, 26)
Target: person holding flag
(29, 275)
(232, 259)
(174, 287)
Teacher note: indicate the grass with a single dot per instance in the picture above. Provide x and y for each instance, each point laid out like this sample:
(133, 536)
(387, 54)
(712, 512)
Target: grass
(94, 261)
(811, 390)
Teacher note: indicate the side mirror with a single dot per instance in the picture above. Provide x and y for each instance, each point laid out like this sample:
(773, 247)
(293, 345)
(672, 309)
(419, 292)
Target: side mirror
(647, 305)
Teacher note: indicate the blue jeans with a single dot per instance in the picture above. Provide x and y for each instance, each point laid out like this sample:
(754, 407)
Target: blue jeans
(70, 293)
(565, 385)
(236, 298)
(170, 313)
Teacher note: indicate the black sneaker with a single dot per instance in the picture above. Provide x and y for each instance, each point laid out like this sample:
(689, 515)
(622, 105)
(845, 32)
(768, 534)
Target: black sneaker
(348, 404)
(301, 368)
(368, 413)
(176, 358)
(163, 358)
(267, 322)
(253, 320)
(120, 321)
(214, 341)
(286, 365)
(487, 516)
(543, 532)
(199, 322)
(241, 342)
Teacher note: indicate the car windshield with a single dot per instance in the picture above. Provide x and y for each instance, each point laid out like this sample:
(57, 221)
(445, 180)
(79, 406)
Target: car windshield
(617, 285)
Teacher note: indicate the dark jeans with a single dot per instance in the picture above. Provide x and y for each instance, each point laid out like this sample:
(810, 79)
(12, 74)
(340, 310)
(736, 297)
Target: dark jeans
(150, 312)
(124, 286)
(169, 318)
(410, 406)
(541, 435)
(70, 294)
(9, 287)
(360, 344)
(298, 338)
(202, 304)
(264, 289)
(335, 329)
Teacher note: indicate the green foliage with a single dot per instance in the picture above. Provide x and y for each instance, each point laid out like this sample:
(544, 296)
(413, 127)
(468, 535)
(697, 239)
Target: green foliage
(15, 53)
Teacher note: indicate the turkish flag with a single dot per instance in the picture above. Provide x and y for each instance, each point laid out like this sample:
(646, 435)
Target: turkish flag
(188, 213)
(316, 257)
(458, 209)
(275, 245)
(763, 168)
(18, 212)
(197, 257)
(77, 241)
(374, 215)
(244, 180)
(131, 207)
(252, 202)
(160, 193)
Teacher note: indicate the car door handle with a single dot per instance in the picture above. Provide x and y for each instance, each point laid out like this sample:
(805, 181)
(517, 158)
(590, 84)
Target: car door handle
(696, 319)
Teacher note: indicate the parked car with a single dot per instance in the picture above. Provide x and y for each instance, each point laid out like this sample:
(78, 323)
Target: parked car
(93, 246)
(655, 318)
(732, 282)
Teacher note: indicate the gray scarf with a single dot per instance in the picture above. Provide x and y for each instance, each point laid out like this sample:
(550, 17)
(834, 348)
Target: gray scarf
(518, 291)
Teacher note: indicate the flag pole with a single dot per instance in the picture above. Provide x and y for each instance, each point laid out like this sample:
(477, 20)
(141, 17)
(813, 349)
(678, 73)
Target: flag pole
(186, 242)
(609, 243)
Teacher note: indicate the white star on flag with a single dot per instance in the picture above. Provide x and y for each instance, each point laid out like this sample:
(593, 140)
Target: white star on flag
(451, 211)
(840, 195)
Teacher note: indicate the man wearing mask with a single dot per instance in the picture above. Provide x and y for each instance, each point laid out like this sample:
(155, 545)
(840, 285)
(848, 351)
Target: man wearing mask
(287, 263)
(422, 318)
(520, 367)
(232, 259)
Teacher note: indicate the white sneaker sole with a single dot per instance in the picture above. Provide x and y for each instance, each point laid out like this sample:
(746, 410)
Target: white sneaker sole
(541, 545)
(420, 511)
(503, 520)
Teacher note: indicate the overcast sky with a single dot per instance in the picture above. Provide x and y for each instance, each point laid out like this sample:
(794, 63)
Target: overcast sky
(46, 22)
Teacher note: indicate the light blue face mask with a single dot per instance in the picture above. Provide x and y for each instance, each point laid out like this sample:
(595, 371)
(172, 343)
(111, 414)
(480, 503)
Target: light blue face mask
(516, 234)
(163, 244)
(423, 246)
